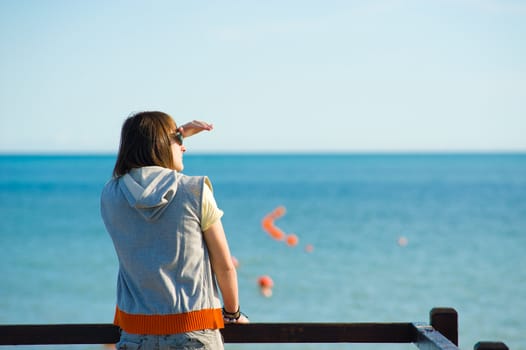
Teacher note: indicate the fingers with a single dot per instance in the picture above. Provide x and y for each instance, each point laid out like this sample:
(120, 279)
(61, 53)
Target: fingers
(194, 127)
(241, 320)
(202, 125)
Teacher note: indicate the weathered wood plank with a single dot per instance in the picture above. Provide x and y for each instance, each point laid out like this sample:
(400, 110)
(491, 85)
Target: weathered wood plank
(428, 338)
(59, 334)
(445, 320)
(247, 333)
(490, 345)
(319, 333)
(424, 336)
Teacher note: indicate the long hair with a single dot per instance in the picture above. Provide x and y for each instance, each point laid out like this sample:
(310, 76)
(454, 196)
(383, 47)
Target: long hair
(145, 141)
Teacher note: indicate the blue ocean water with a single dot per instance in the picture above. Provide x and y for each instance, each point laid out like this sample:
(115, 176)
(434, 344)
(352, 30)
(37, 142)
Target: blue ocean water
(463, 217)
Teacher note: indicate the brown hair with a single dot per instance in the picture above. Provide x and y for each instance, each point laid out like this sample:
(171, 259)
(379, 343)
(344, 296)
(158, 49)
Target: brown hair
(145, 141)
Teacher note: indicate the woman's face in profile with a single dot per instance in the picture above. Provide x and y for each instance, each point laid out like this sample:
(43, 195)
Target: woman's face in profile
(177, 150)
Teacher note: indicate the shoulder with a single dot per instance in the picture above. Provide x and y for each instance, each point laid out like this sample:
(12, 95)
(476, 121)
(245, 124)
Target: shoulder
(199, 181)
(110, 186)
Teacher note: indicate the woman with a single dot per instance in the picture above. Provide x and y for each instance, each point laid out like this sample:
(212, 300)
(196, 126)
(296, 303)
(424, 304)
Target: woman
(169, 239)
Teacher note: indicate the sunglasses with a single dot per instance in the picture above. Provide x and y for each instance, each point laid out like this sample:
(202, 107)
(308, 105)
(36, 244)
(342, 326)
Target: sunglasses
(177, 138)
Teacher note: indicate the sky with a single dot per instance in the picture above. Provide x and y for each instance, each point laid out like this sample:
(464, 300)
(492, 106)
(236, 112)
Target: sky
(272, 76)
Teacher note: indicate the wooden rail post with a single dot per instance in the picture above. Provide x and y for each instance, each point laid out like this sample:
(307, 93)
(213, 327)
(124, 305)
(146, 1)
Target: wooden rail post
(490, 345)
(445, 320)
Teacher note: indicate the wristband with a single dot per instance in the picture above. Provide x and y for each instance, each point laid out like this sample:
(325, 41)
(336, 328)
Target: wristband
(231, 316)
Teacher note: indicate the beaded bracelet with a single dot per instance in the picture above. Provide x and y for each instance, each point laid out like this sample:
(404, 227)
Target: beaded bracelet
(231, 316)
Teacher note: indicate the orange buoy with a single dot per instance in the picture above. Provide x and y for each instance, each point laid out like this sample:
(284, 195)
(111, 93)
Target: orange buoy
(402, 241)
(292, 240)
(276, 233)
(309, 248)
(278, 212)
(268, 224)
(265, 281)
(265, 285)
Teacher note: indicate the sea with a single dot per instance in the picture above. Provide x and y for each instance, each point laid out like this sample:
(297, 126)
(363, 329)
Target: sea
(381, 238)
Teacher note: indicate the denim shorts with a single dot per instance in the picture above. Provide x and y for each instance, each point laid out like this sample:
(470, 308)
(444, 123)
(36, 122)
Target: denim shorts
(207, 339)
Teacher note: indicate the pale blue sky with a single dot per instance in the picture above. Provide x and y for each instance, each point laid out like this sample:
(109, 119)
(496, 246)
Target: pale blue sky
(367, 75)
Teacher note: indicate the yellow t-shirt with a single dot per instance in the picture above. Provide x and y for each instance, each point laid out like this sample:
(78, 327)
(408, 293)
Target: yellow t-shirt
(210, 213)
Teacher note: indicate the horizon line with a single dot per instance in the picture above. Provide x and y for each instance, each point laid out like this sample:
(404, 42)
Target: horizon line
(280, 152)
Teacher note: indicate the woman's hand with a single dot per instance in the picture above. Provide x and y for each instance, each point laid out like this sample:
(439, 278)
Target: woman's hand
(194, 127)
(241, 319)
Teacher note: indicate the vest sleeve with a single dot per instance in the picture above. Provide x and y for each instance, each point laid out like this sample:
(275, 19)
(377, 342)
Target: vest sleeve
(210, 213)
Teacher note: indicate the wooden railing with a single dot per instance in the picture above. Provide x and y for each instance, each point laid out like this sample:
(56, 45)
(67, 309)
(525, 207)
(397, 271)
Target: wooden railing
(440, 334)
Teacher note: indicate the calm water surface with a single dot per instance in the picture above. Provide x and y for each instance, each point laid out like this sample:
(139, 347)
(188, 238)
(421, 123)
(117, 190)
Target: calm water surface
(463, 217)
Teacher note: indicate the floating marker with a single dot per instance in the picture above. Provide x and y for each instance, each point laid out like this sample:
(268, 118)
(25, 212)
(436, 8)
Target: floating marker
(402, 241)
(265, 285)
(265, 281)
(292, 240)
(268, 223)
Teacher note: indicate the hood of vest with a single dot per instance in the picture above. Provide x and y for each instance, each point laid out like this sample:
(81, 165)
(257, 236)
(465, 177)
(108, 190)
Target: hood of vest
(149, 190)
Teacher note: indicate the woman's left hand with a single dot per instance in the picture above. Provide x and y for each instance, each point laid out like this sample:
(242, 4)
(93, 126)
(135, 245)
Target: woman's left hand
(194, 127)
(243, 319)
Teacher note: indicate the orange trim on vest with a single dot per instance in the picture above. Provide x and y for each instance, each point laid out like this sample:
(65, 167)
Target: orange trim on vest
(169, 324)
